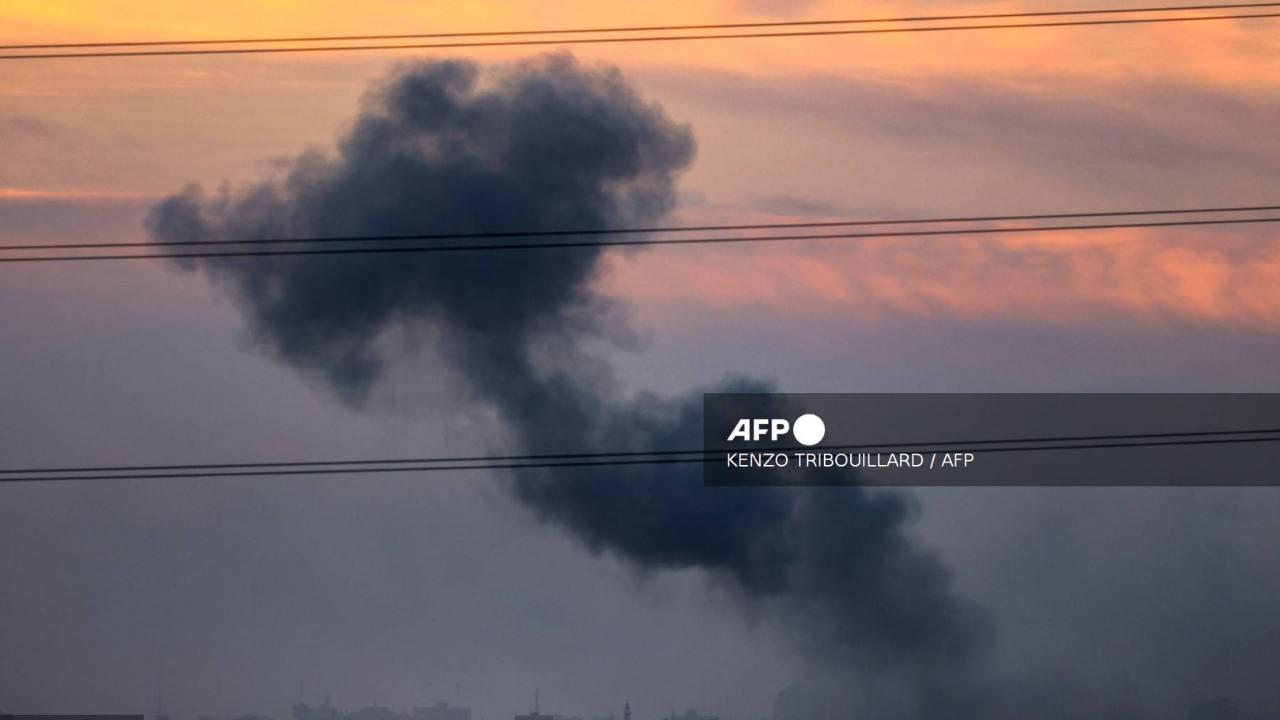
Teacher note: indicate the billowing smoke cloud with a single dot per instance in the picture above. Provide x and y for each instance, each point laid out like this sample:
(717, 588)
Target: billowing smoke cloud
(446, 147)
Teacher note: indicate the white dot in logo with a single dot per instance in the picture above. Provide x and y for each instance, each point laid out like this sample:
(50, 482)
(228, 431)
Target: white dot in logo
(809, 429)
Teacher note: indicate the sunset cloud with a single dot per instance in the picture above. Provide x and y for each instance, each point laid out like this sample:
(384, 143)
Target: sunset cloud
(1074, 280)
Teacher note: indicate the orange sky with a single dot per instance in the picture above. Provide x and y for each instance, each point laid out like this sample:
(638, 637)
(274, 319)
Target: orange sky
(135, 127)
(1236, 51)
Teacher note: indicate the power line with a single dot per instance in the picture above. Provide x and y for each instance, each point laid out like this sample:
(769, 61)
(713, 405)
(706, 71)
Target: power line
(618, 455)
(561, 464)
(642, 39)
(635, 243)
(649, 28)
(632, 231)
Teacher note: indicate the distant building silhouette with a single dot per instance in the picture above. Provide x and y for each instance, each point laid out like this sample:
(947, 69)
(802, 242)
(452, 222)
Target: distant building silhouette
(160, 714)
(1220, 709)
(441, 711)
(376, 712)
(537, 706)
(303, 711)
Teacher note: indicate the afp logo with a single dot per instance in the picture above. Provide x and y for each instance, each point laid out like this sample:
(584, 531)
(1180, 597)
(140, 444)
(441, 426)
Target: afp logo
(807, 429)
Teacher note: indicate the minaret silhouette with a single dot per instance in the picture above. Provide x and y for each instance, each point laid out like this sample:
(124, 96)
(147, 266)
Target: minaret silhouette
(160, 694)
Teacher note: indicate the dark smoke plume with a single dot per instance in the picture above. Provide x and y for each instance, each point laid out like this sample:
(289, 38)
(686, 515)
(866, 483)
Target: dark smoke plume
(446, 147)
